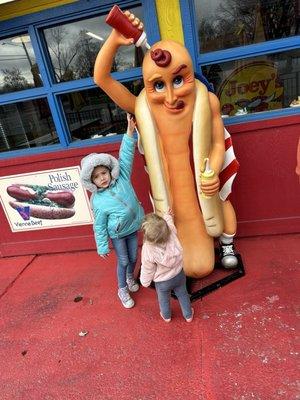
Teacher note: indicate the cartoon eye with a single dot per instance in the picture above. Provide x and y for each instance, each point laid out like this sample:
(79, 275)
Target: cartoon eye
(177, 81)
(159, 86)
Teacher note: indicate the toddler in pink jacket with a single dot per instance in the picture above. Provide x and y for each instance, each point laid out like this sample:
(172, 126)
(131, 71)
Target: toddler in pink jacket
(162, 262)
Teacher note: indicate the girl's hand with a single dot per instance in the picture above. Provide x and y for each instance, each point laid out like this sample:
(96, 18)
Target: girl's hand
(105, 256)
(170, 212)
(131, 124)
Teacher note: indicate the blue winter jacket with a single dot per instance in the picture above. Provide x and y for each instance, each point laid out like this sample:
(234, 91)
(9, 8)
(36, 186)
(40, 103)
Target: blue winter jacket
(117, 211)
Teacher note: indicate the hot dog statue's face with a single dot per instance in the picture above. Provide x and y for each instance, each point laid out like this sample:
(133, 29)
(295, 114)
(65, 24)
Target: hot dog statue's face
(170, 85)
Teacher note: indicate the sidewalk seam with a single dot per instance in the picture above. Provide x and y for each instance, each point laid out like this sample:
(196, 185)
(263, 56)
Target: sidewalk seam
(17, 277)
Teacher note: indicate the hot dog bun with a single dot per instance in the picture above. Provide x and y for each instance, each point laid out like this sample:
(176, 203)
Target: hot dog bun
(211, 207)
(145, 123)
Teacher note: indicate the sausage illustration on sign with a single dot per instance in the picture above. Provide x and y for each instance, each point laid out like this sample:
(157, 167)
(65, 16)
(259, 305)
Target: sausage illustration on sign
(42, 202)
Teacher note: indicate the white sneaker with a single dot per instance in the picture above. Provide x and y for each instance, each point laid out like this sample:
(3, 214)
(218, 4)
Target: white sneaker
(228, 256)
(132, 285)
(125, 298)
(241, 111)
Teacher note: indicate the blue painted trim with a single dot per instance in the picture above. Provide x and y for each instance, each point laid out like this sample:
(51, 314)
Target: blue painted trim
(73, 86)
(262, 116)
(151, 21)
(56, 14)
(88, 83)
(59, 120)
(30, 151)
(43, 57)
(95, 142)
(57, 147)
(38, 56)
(22, 95)
(80, 9)
(187, 10)
(252, 50)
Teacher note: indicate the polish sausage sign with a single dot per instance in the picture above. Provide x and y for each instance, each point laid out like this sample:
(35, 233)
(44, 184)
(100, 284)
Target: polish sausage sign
(45, 199)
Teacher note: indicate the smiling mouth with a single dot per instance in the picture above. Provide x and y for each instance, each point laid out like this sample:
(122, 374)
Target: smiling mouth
(178, 107)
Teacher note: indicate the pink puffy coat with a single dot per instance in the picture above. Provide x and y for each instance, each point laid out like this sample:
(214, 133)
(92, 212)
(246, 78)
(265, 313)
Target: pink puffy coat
(161, 262)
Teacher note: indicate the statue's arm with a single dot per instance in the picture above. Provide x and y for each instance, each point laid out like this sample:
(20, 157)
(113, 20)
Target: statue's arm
(102, 72)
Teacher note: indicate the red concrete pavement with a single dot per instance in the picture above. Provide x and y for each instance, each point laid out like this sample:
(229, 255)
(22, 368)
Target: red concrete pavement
(240, 346)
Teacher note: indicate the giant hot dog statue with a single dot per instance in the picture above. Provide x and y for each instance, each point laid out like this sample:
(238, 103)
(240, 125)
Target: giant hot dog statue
(173, 110)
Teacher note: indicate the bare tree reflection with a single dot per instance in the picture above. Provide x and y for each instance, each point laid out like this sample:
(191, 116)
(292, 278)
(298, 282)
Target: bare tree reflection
(61, 55)
(14, 80)
(237, 23)
(87, 50)
(73, 54)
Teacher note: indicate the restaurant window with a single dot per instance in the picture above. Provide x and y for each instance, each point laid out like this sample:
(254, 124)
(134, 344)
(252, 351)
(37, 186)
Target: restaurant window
(92, 114)
(18, 66)
(249, 75)
(231, 23)
(47, 94)
(26, 124)
(264, 83)
(73, 48)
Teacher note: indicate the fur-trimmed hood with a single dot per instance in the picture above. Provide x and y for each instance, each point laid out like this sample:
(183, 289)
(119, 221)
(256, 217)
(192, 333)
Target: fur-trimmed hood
(89, 162)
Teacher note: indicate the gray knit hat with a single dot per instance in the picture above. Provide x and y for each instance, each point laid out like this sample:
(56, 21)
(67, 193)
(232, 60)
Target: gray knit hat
(89, 162)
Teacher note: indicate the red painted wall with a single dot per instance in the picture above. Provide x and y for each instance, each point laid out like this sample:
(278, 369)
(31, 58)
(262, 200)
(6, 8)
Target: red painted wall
(266, 192)
(68, 238)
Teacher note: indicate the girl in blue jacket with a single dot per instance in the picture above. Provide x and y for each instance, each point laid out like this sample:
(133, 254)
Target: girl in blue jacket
(117, 212)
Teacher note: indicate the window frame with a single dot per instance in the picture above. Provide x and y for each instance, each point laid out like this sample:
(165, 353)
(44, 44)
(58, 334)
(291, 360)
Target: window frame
(188, 14)
(33, 24)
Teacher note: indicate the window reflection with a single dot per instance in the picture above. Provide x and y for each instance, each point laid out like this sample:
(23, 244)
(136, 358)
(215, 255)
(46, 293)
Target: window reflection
(73, 48)
(26, 124)
(92, 114)
(18, 67)
(230, 23)
(257, 84)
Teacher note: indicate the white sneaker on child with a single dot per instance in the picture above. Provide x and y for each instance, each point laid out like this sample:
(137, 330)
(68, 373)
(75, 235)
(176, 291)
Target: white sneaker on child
(132, 285)
(190, 319)
(165, 319)
(125, 298)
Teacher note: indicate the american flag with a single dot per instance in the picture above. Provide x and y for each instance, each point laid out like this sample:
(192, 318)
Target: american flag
(230, 168)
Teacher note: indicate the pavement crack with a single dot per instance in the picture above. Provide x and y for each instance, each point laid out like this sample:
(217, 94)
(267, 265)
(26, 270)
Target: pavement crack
(17, 277)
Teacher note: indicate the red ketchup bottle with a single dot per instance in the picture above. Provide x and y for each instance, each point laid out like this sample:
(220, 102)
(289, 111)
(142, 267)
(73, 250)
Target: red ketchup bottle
(118, 20)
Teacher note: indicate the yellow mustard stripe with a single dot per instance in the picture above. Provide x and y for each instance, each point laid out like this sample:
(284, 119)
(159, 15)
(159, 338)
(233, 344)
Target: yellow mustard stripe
(23, 7)
(169, 20)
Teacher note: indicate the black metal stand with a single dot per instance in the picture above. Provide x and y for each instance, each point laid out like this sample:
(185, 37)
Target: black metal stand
(230, 276)
(236, 273)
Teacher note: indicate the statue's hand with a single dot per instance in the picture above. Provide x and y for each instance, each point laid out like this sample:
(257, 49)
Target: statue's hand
(134, 20)
(211, 186)
(121, 40)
